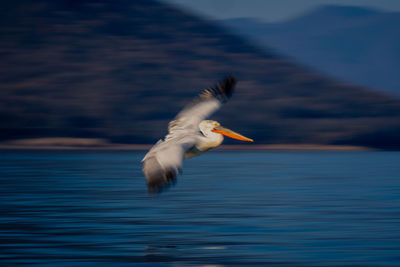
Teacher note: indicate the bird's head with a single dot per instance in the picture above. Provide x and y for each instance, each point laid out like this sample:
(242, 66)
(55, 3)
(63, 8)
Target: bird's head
(208, 126)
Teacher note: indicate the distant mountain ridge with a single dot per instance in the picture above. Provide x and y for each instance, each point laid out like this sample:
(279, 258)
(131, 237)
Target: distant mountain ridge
(121, 70)
(354, 44)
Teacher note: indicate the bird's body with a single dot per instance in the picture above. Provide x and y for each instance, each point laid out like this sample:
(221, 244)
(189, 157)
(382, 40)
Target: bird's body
(189, 135)
(206, 141)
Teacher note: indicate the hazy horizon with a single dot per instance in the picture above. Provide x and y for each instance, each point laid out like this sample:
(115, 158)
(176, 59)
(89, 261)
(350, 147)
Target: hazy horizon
(272, 11)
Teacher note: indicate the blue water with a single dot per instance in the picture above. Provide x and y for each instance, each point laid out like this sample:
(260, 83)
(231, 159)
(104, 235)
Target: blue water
(271, 208)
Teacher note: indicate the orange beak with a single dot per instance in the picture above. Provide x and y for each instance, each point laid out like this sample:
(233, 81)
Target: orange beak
(230, 133)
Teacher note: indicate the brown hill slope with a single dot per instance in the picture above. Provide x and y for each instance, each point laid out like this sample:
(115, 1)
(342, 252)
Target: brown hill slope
(121, 70)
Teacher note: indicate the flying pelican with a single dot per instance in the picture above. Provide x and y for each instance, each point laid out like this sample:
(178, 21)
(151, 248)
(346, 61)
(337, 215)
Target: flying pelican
(189, 135)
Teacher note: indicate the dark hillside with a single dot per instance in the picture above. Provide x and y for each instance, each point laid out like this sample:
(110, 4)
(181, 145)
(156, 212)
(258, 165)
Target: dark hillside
(121, 70)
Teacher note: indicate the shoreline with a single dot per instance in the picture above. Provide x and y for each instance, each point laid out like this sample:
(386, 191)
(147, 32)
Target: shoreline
(102, 144)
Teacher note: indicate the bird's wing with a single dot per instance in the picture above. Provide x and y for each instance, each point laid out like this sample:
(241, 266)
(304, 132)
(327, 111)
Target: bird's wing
(163, 162)
(205, 104)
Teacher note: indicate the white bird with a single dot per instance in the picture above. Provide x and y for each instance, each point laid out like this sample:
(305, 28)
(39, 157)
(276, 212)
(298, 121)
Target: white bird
(189, 135)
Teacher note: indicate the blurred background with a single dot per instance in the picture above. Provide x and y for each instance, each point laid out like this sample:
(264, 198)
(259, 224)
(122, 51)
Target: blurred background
(118, 71)
(112, 74)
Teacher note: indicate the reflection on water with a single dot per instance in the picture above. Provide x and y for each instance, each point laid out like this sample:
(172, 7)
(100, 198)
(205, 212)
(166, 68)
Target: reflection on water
(228, 208)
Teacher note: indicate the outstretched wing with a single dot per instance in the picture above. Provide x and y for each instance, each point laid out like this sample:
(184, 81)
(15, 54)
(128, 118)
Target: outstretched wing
(205, 104)
(163, 162)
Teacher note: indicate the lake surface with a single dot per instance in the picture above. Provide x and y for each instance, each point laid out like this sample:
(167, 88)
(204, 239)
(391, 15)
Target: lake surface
(249, 208)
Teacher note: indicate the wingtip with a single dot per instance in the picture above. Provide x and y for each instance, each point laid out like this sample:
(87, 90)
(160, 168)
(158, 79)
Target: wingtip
(158, 189)
(222, 91)
(161, 184)
(228, 85)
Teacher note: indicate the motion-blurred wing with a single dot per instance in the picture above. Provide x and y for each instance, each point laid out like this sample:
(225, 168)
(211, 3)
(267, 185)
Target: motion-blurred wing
(163, 162)
(207, 102)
